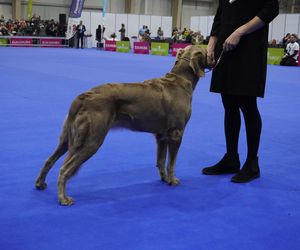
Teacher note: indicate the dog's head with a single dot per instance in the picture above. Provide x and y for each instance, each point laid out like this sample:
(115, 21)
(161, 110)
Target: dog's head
(197, 58)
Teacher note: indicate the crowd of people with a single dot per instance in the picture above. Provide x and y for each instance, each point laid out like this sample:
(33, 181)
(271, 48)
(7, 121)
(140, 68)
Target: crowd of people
(37, 27)
(31, 27)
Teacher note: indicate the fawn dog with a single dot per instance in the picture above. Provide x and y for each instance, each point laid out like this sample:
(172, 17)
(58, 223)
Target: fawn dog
(161, 106)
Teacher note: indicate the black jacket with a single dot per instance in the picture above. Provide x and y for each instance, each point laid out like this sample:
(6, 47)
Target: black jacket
(80, 32)
(243, 70)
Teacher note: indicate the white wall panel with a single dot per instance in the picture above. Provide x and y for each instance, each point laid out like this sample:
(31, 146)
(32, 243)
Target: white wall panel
(195, 22)
(270, 32)
(6, 10)
(155, 24)
(86, 20)
(133, 25)
(121, 18)
(144, 20)
(209, 24)
(96, 19)
(278, 28)
(110, 24)
(292, 23)
(203, 25)
(189, 10)
(166, 25)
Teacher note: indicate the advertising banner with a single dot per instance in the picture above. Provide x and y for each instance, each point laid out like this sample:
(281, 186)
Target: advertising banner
(29, 9)
(20, 42)
(74, 17)
(275, 55)
(110, 45)
(141, 47)
(51, 43)
(177, 46)
(160, 49)
(123, 46)
(3, 42)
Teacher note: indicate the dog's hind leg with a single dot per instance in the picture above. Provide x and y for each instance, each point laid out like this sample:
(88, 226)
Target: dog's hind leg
(161, 156)
(61, 149)
(175, 138)
(90, 136)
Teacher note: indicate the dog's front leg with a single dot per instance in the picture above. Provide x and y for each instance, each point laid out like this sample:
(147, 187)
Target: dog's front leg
(161, 156)
(175, 137)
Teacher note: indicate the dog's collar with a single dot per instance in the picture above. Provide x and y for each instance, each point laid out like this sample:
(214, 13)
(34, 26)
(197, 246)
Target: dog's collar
(184, 58)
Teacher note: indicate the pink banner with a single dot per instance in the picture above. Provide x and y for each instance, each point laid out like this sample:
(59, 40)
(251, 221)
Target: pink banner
(177, 46)
(51, 43)
(141, 47)
(20, 42)
(110, 45)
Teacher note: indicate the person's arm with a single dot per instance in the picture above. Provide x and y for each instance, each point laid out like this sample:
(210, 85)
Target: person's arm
(215, 30)
(269, 11)
(233, 40)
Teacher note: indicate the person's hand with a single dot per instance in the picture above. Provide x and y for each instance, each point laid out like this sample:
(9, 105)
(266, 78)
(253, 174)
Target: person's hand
(232, 41)
(211, 57)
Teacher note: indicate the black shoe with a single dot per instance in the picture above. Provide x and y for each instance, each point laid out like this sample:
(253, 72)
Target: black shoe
(227, 165)
(249, 172)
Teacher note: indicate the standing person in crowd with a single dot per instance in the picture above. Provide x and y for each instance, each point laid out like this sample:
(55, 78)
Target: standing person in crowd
(80, 34)
(160, 34)
(240, 30)
(290, 57)
(122, 32)
(99, 34)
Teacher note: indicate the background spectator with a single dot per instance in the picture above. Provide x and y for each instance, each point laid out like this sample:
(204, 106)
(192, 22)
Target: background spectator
(290, 57)
(122, 32)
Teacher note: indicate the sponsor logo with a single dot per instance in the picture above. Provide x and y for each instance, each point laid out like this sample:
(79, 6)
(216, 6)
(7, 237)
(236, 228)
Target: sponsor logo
(141, 47)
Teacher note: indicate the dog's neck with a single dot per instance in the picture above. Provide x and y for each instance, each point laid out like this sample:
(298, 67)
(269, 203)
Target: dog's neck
(183, 70)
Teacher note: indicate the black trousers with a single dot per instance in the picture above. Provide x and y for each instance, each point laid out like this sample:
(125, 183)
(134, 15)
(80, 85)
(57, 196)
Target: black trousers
(233, 106)
(288, 61)
(80, 38)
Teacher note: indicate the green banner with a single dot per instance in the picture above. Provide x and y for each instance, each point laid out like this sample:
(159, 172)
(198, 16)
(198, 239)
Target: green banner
(3, 42)
(160, 49)
(29, 9)
(123, 46)
(275, 55)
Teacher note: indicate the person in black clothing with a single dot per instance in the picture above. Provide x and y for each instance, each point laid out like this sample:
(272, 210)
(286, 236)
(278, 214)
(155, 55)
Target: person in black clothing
(99, 34)
(240, 30)
(80, 33)
(122, 32)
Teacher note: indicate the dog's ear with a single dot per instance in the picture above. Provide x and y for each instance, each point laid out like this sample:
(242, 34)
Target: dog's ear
(196, 63)
(179, 54)
(198, 60)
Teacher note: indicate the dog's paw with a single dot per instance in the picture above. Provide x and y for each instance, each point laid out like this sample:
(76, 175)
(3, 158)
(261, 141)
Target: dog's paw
(40, 185)
(68, 201)
(173, 181)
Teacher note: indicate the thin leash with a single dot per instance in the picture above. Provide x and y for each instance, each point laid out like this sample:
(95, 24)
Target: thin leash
(218, 61)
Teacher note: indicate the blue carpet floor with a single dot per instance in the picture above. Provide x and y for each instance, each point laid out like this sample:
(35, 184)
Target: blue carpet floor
(119, 201)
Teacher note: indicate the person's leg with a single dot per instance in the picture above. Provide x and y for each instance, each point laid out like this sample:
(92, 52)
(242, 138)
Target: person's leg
(253, 125)
(82, 42)
(232, 122)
